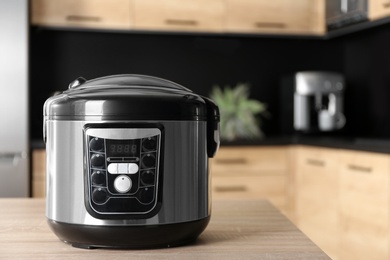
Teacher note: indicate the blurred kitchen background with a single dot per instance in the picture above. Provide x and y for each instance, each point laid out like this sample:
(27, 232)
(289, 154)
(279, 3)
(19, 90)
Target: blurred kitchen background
(332, 182)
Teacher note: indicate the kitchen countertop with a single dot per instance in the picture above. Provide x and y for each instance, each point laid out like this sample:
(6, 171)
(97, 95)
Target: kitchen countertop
(250, 229)
(339, 142)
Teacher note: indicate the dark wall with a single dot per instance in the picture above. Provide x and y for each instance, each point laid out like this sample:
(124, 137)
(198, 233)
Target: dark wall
(195, 61)
(200, 61)
(367, 69)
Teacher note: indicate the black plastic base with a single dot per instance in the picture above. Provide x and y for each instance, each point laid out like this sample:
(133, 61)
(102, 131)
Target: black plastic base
(132, 237)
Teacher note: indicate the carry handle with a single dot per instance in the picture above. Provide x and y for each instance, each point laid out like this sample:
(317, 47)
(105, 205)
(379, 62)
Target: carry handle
(213, 140)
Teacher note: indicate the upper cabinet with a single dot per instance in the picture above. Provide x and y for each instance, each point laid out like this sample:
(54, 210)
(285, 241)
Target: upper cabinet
(298, 17)
(277, 16)
(179, 15)
(378, 9)
(112, 14)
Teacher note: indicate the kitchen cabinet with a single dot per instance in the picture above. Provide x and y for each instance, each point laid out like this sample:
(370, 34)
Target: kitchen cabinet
(251, 173)
(39, 173)
(277, 16)
(179, 15)
(113, 14)
(316, 196)
(378, 9)
(364, 205)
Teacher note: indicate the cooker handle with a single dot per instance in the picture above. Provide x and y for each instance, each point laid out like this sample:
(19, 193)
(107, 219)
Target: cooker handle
(213, 118)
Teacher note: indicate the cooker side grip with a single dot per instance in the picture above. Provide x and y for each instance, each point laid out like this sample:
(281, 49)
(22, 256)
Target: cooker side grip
(213, 118)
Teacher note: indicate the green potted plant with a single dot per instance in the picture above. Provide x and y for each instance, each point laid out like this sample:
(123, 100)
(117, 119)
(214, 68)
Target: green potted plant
(239, 114)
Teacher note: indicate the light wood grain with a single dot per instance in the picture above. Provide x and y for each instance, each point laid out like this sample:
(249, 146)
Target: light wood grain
(378, 9)
(179, 15)
(251, 173)
(277, 16)
(316, 191)
(39, 173)
(238, 230)
(112, 14)
(364, 205)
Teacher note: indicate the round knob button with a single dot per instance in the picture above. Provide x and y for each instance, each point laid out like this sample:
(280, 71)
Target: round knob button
(148, 160)
(146, 195)
(147, 177)
(98, 178)
(96, 144)
(149, 144)
(99, 196)
(97, 160)
(122, 184)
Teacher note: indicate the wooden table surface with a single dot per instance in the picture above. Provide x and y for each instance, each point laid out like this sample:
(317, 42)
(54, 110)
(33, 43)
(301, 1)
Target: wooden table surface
(250, 229)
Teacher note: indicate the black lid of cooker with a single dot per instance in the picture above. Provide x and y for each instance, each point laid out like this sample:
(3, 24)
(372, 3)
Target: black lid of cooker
(126, 97)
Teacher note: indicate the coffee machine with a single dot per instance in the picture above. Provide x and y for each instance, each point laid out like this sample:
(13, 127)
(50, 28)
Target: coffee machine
(318, 101)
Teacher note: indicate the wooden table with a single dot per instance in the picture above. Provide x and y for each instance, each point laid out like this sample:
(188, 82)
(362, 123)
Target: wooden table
(238, 230)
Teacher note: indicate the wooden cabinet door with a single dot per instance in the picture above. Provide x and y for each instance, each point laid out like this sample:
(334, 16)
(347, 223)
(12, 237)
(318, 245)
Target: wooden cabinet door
(316, 191)
(179, 15)
(364, 205)
(378, 9)
(107, 14)
(39, 173)
(250, 173)
(277, 16)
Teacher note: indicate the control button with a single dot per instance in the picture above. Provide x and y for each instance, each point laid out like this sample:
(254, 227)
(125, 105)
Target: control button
(122, 184)
(147, 177)
(129, 168)
(133, 168)
(97, 160)
(148, 160)
(99, 196)
(149, 144)
(146, 195)
(123, 168)
(98, 178)
(112, 168)
(96, 144)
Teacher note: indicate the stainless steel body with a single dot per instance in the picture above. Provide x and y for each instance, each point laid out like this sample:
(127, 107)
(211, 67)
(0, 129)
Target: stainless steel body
(14, 156)
(318, 101)
(185, 197)
(341, 13)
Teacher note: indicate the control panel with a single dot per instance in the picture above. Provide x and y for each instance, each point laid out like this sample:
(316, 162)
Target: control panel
(123, 168)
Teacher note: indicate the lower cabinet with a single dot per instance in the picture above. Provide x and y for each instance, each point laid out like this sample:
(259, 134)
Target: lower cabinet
(364, 205)
(39, 173)
(342, 201)
(250, 173)
(316, 196)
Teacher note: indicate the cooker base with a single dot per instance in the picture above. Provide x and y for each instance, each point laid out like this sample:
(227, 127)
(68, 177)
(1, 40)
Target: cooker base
(131, 237)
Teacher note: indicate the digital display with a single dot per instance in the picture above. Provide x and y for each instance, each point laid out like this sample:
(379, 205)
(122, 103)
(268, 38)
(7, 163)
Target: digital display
(122, 148)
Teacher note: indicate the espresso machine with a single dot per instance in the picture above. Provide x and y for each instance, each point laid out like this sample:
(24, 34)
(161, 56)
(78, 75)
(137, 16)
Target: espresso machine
(318, 101)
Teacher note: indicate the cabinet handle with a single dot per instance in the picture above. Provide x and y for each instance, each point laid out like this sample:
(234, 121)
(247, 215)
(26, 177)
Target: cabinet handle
(315, 162)
(270, 25)
(80, 18)
(181, 22)
(359, 168)
(238, 188)
(231, 161)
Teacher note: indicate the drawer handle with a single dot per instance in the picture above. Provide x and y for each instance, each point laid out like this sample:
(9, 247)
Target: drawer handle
(270, 25)
(80, 18)
(315, 162)
(231, 161)
(386, 5)
(230, 188)
(359, 168)
(181, 22)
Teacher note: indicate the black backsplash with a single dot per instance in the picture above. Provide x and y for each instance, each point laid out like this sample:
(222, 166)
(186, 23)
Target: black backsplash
(201, 61)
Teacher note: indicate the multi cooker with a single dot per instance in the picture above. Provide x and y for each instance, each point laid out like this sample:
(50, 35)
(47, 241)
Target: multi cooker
(128, 162)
